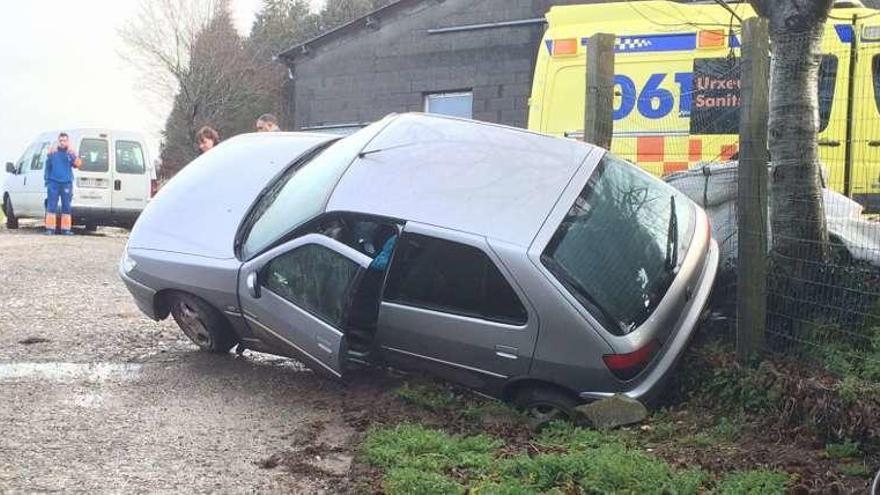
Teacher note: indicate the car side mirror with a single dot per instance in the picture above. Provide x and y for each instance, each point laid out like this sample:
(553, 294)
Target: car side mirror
(253, 285)
(10, 167)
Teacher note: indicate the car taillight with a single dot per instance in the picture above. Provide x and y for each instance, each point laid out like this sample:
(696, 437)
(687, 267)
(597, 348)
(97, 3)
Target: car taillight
(154, 187)
(627, 366)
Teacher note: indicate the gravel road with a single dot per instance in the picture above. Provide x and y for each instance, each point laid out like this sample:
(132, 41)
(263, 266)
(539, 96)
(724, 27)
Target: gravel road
(94, 397)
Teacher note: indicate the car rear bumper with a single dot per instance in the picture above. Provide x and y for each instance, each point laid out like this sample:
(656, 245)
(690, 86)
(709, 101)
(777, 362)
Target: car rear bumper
(144, 297)
(651, 385)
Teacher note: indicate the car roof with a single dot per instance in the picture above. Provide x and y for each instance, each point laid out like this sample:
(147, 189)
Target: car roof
(485, 179)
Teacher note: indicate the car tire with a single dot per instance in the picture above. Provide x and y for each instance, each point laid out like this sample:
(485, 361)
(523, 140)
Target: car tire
(545, 404)
(11, 219)
(91, 227)
(203, 324)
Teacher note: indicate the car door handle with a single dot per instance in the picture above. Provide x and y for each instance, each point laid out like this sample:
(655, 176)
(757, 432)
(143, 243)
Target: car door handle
(874, 144)
(507, 352)
(117, 185)
(832, 143)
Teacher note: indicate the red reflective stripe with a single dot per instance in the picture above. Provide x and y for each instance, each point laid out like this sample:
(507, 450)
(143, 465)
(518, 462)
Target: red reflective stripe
(650, 148)
(670, 167)
(695, 150)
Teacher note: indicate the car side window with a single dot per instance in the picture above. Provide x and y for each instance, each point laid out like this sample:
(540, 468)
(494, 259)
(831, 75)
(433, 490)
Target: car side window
(39, 158)
(450, 277)
(313, 277)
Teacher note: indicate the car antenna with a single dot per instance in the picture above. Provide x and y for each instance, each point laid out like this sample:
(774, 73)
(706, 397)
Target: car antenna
(363, 154)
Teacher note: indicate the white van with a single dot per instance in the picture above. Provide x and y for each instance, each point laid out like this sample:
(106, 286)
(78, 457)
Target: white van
(112, 186)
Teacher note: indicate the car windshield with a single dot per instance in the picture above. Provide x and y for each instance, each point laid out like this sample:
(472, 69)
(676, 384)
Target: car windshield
(621, 243)
(299, 194)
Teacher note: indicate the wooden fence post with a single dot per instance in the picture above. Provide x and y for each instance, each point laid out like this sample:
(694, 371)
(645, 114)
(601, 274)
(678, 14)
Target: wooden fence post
(599, 103)
(752, 200)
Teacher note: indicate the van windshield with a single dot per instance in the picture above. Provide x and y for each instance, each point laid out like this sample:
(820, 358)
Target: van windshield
(621, 244)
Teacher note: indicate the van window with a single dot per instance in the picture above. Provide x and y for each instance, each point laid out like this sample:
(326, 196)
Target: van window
(875, 75)
(450, 277)
(95, 155)
(40, 157)
(314, 278)
(129, 158)
(827, 83)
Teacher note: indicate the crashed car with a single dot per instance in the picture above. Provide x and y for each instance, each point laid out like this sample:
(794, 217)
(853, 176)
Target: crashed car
(539, 270)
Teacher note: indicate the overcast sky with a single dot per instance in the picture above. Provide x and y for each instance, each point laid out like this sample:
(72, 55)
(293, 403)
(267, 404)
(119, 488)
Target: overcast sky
(60, 68)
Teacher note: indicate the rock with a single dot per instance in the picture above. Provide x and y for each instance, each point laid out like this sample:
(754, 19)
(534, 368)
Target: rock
(613, 412)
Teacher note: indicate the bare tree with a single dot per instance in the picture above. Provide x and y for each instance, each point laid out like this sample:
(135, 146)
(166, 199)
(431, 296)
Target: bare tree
(189, 51)
(798, 218)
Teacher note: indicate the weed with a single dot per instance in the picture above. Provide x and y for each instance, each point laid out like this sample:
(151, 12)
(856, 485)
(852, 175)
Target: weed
(416, 447)
(844, 450)
(491, 408)
(431, 397)
(699, 440)
(857, 469)
(727, 430)
(761, 482)
(562, 435)
(407, 481)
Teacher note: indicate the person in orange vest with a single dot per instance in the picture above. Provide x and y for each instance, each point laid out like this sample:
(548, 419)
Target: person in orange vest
(58, 176)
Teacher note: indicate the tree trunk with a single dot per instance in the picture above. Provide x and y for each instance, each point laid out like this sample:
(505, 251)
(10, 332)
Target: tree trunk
(797, 208)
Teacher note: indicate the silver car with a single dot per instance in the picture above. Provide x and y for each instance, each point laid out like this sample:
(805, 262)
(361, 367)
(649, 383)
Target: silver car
(539, 270)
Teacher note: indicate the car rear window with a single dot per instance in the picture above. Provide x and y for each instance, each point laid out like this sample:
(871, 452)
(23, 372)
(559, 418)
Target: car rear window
(130, 158)
(95, 155)
(454, 278)
(621, 244)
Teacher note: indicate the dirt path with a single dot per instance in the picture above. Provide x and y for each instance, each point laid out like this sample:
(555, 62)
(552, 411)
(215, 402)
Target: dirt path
(96, 398)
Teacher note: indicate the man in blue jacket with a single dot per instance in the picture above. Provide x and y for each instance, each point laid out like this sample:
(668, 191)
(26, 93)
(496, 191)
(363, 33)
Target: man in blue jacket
(58, 175)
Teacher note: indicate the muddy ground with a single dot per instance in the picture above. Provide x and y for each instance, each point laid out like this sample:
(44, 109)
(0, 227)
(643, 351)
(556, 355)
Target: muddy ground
(94, 397)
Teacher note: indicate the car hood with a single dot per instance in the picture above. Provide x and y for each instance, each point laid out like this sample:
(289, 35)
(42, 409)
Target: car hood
(199, 210)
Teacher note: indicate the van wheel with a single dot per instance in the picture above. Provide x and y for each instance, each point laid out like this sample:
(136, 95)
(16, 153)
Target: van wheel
(545, 404)
(91, 227)
(203, 324)
(11, 220)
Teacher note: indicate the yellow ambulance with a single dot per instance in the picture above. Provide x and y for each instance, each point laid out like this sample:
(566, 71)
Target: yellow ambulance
(677, 87)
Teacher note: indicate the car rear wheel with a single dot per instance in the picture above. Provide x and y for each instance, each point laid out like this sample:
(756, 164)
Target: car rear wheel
(545, 404)
(11, 219)
(203, 324)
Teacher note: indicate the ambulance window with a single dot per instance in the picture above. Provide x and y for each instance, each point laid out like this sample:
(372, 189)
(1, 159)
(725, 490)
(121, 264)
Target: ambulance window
(875, 74)
(94, 154)
(827, 81)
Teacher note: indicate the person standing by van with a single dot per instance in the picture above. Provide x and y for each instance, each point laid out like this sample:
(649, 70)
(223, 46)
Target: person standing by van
(267, 123)
(58, 176)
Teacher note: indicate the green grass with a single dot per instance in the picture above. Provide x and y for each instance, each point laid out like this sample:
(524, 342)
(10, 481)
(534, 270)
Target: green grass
(758, 482)
(844, 450)
(431, 397)
(858, 469)
(416, 459)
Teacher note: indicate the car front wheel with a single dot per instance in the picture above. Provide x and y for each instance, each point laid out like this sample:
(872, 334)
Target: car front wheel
(11, 219)
(203, 324)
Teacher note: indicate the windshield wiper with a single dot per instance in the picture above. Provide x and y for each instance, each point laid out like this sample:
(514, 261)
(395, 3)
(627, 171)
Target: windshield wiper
(672, 238)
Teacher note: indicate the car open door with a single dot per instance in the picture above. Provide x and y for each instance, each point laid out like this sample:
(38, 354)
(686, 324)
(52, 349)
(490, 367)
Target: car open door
(296, 297)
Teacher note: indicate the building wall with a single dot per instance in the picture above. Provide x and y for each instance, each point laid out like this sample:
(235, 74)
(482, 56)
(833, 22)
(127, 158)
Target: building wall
(362, 76)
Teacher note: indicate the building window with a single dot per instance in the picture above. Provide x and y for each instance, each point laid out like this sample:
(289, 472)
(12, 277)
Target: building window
(455, 104)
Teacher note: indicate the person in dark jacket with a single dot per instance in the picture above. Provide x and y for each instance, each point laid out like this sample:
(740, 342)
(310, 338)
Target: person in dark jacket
(58, 176)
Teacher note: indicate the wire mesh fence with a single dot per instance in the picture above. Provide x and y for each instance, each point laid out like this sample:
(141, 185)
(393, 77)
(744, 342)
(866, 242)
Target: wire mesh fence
(823, 197)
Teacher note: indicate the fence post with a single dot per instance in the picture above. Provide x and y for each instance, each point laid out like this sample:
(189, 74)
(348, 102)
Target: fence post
(752, 199)
(599, 102)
